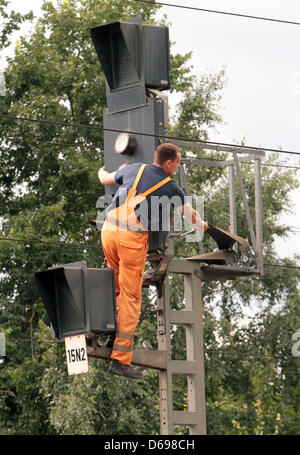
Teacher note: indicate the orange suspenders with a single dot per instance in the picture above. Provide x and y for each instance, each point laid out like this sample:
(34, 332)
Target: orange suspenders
(123, 216)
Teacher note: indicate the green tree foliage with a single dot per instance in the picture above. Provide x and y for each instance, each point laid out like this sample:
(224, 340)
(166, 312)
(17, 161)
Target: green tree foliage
(10, 22)
(49, 189)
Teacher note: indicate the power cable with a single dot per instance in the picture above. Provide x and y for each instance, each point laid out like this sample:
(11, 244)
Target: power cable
(211, 351)
(72, 212)
(97, 127)
(43, 242)
(38, 142)
(17, 210)
(64, 144)
(227, 13)
(283, 266)
(280, 166)
(81, 245)
(187, 161)
(38, 210)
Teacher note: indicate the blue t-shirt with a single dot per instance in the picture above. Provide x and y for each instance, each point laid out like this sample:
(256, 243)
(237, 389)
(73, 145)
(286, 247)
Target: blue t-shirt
(154, 212)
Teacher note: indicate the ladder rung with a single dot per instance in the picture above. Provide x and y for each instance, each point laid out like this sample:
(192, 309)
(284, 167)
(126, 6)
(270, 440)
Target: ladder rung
(182, 317)
(185, 418)
(183, 366)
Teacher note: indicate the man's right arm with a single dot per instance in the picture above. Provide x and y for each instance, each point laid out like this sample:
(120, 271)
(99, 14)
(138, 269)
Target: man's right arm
(106, 178)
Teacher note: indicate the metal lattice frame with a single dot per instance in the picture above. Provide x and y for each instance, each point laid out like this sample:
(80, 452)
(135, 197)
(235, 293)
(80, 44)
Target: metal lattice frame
(239, 154)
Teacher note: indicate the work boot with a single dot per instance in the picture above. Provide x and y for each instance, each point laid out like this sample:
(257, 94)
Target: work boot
(125, 370)
(111, 340)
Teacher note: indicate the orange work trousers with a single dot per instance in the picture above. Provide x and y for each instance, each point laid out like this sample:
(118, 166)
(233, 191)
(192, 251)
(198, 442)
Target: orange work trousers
(125, 252)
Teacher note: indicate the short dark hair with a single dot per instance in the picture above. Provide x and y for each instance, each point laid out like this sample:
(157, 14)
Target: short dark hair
(166, 151)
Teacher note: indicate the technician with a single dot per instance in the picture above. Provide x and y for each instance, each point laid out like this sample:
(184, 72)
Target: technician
(125, 238)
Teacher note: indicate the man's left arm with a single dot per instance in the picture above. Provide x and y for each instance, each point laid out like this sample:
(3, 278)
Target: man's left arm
(106, 178)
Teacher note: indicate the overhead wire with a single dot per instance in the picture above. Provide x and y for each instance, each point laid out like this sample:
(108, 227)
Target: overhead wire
(14, 208)
(89, 147)
(283, 266)
(206, 351)
(115, 130)
(227, 13)
(82, 245)
(46, 242)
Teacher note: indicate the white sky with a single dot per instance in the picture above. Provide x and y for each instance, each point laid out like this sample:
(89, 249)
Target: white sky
(261, 100)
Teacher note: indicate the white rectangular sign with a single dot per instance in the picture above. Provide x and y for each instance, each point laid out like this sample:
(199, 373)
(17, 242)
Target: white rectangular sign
(2, 344)
(2, 83)
(76, 354)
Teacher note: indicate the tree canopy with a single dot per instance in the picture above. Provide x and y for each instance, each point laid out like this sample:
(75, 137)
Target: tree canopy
(49, 190)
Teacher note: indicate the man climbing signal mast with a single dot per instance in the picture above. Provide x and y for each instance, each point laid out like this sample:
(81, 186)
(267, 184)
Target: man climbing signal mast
(125, 239)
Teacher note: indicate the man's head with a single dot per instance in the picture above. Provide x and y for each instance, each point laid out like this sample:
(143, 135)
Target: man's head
(167, 156)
